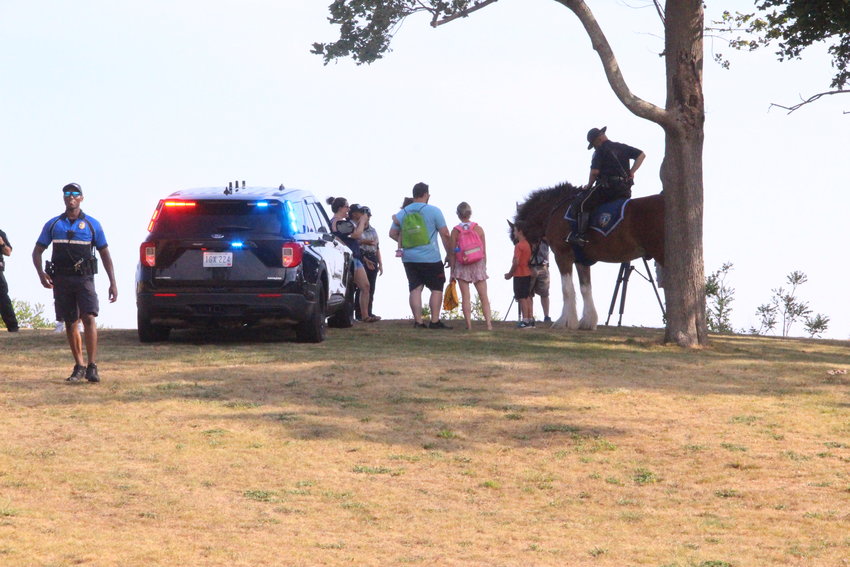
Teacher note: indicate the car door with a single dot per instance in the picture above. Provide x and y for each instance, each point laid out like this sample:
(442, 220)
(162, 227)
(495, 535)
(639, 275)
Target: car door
(334, 253)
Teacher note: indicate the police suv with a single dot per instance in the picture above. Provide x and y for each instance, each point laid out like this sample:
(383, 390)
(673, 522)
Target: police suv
(242, 256)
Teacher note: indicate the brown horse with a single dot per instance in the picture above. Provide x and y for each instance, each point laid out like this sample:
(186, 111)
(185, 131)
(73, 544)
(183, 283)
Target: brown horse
(639, 235)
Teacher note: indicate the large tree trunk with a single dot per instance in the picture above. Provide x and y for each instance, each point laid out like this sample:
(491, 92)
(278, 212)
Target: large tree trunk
(681, 174)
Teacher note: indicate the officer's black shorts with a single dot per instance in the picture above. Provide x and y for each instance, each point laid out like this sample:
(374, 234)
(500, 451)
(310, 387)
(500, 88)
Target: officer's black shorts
(430, 274)
(73, 296)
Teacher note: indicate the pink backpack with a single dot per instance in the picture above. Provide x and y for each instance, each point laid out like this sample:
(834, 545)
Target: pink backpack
(469, 248)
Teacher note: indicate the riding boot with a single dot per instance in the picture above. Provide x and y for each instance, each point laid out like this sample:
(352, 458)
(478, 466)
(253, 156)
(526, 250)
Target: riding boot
(576, 237)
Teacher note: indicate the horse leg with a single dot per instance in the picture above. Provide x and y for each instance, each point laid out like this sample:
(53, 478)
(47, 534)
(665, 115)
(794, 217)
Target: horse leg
(589, 318)
(569, 314)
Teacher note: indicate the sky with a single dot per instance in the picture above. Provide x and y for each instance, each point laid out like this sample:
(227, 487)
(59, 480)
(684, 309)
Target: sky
(135, 100)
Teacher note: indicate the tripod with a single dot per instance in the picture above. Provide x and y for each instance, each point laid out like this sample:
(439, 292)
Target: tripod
(626, 269)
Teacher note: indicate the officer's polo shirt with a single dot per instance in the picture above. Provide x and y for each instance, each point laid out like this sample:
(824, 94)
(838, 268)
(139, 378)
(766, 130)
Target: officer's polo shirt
(612, 159)
(72, 240)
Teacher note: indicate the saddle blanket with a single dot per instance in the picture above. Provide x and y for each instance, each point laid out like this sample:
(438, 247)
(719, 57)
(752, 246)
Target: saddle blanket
(604, 219)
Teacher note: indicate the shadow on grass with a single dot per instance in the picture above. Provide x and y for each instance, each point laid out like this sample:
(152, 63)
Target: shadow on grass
(437, 389)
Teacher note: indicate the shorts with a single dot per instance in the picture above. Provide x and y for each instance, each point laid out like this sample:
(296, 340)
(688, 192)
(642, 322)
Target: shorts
(430, 274)
(358, 264)
(540, 281)
(522, 287)
(73, 296)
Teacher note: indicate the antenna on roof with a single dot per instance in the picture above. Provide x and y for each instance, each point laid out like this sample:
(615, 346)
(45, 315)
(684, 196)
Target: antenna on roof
(243, 184)
(229, 189)
(281, 188)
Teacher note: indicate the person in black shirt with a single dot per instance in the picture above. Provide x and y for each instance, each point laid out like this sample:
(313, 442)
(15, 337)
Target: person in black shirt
(7, 310)
(611, 177)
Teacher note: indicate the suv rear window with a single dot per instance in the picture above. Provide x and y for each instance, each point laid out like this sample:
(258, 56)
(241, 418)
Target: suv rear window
(204, 217)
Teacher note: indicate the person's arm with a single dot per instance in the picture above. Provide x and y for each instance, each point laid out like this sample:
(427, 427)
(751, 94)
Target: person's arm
(380, 262)
(106, 258)
(394, 230)
(447, 244)
(480, 232)
(510, 273)
(37, 253)
(4, 247)
(638, 162)
(360, 227)
(594, 175)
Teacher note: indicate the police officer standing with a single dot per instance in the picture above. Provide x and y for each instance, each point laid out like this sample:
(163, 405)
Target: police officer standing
(70, 274)
(611, 178)
(7, 310)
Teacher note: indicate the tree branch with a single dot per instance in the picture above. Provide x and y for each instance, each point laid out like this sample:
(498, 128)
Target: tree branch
(636, 105)
(462, 14)
(811, 99)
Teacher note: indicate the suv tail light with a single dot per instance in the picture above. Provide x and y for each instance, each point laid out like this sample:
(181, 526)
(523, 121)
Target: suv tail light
(291, 254)
(147, 254)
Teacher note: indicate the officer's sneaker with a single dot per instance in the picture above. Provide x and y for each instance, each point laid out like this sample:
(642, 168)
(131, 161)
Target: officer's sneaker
(547, 319)
(91, 373)
(78, 374)
(438, 325)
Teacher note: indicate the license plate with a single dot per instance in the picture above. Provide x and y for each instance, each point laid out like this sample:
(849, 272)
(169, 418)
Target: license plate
(218, 259)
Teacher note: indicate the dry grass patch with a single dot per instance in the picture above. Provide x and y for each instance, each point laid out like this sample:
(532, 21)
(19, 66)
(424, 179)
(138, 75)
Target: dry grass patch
(389, 446)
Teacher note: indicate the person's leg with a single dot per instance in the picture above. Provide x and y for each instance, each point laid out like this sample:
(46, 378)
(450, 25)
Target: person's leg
(362, 283)
(75, 341)
(7, 310)
(544, 302)
(373, 279)
(90, 327)
(416, 303)
(481, 288)
(436, 304)
(465, 303)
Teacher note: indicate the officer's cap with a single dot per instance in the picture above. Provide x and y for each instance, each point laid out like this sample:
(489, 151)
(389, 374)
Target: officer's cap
(594, 133)
(73, 187)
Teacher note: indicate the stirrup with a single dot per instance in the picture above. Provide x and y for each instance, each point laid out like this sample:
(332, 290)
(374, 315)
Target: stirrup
(576, 239)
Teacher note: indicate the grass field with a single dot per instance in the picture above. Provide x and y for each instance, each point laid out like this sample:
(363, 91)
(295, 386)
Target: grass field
(387, 445)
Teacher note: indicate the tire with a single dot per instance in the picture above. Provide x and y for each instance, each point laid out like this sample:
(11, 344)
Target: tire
(344, 317)
(313, 330)
(149, 333)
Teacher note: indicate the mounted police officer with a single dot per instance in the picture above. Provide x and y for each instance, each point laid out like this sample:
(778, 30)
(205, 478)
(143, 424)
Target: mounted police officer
(70, 274)
(611, 178)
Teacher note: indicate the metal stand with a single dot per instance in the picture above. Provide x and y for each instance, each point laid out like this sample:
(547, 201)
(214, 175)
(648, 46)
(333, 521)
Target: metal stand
(626, 269)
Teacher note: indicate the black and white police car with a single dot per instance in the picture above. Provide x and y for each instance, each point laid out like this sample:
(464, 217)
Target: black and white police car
(240, 256)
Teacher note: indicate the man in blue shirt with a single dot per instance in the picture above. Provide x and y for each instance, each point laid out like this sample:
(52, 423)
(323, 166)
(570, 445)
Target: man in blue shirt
(611, 177)
(70, 274)
(423, 264)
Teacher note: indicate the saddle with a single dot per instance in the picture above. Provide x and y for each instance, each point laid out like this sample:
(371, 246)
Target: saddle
(604, 219)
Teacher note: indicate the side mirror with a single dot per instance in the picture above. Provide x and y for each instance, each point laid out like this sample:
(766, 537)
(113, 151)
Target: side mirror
(328, 237)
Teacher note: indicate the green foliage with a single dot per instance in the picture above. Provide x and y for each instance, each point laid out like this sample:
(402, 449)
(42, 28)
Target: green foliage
(794, 25)
(786, 306)
(817, 325)
(366, 27)
(719, 297)
(30, 316)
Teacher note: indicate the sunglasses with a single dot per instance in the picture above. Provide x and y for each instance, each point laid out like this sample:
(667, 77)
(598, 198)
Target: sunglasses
(71, 193)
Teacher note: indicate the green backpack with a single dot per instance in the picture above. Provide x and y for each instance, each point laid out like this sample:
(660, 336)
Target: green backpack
(413, 230)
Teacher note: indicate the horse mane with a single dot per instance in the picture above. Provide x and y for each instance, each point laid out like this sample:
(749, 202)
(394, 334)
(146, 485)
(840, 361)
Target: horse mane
(534, 212)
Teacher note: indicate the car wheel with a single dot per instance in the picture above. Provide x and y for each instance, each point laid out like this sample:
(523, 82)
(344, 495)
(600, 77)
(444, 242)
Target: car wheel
(149, 333)
(313, 330)
(344, 317)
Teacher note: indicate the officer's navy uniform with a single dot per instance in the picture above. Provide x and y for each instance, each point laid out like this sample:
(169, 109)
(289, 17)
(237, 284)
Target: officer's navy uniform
(7, 310)
(73, 263)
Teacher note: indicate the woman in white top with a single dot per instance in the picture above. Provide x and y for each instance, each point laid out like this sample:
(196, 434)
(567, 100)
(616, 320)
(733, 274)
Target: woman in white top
(475, 273)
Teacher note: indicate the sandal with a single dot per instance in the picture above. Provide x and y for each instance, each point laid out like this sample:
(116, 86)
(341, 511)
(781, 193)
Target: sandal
(371, 319)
